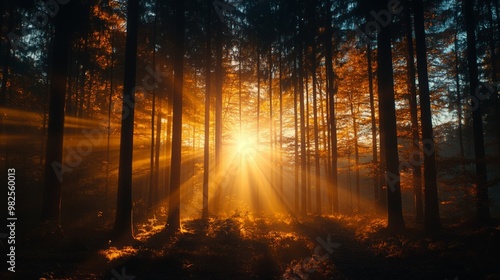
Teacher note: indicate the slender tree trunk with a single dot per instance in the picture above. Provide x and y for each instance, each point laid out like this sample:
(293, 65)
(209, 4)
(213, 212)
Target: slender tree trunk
(168, 142)
(483, 210)
(156, 173)
(303, 152)
(356, 152)
(333, 121)
(54, 167)
(206, 148)
(256, 186)
(173, 220)
(281, 129)
(316, 131)
(271, 147)
(152, 193)
(110, 104)
(388, 122)
(459, 98)
(431, 215)
(296, 134)
(123, 227)
(412, 93)
(376, 182)
(324, 125)
(218, 116)
(308, 146)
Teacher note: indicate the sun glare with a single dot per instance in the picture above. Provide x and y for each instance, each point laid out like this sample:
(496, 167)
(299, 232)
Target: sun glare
(245, 145)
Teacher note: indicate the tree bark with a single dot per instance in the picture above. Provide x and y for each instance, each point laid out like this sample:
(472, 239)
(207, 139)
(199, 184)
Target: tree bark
(173, 220)
(412, 93)
(388, 127)
(54, 166)
(483, 210)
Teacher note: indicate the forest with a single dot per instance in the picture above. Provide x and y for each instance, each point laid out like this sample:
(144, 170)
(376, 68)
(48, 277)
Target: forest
(238, 139)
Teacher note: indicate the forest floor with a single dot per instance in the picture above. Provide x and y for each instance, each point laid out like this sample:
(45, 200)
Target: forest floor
(243, 246)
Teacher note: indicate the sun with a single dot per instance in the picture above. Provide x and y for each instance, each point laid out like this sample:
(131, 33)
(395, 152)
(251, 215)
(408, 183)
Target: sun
(245, 144)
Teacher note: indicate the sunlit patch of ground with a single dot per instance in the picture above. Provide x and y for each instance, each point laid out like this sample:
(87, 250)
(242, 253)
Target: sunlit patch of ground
(149, 229)
(248, 246)
(113, 253)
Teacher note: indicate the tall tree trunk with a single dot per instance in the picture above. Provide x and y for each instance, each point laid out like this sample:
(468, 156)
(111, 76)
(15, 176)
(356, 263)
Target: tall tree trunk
(412, 93)
(110, 104)
(459, 97)
(388, 122)
(483, 210)
(168, 141)
(316, 133)
(356, 151)
(218, 115)
(54, 167)
(431, 215)
(173, 220)
(281, 128)
(296, 134)
(376, 181)
(256, 187)
(123, 227)
(156, 177)
(206, 148)
(271, 147)
(324, 125)
(152, 187)
(333, 122)
(303, 152)
(308, 144)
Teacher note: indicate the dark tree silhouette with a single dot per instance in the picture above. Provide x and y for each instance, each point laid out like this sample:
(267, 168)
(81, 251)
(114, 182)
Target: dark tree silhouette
(483, 210)
(431, 213)
(173, 219)
(54, 167)
(387, 114)
(123, 221)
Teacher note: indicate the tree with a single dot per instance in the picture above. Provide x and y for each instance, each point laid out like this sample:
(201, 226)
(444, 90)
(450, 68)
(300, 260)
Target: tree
(332, 120)
(376, 181)
(123, 227)
(173, 220)
(218, 84)
(54, 167)
(206, 149)
(431, 214)
(387, 113)
(483, 210)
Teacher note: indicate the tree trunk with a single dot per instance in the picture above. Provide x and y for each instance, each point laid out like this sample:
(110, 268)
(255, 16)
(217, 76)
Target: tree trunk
(271, 147)
(459, 98)
(316, 133)
(173, 220)
(483, 210)
(308, 145)
(376, 181)
(356, 151)
(296, 135)
(431, 215)
(333, 122)
(412, 92)
(54, 167)
(281, 129)
(388, 127)
(206, 148)
(303, 156)
(152, 187)
(123, 227)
